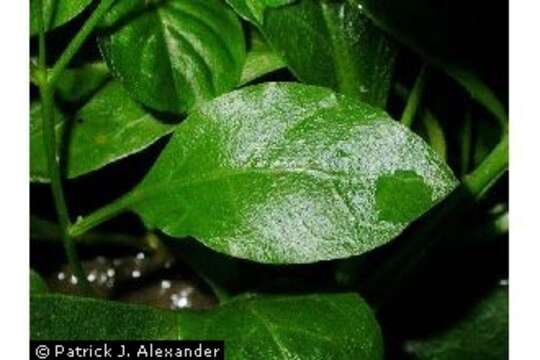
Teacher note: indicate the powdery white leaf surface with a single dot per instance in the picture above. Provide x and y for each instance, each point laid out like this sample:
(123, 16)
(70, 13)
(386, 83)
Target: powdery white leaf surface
(290, 173)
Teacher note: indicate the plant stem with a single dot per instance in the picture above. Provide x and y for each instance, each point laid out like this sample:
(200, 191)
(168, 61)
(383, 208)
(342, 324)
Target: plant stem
(53, 160)
(415, 97)
(79, 39)
(47, 83)
(435, 133)
(483, 177)
(47, 231)
(100, 216)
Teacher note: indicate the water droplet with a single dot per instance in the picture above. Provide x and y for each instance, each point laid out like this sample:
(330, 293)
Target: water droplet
(179, 301)
(135, 274)
(182, 302)
(73, 279)
(61, 276)
(91, 277)
(165, 284)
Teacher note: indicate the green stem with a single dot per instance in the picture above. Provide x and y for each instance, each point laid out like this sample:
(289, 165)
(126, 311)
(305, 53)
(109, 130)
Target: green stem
(47, 83)
(53, 159)
(435, 133)
(79, 39)
(46, 231)
(415, 97)
(100, 216)
(483, 177)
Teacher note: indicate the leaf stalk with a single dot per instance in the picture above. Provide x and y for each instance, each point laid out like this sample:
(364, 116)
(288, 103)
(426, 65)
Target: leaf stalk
(415, 97)
(99, 216)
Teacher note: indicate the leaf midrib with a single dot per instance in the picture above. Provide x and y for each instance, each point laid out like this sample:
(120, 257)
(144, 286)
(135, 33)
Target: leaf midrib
(225, 173)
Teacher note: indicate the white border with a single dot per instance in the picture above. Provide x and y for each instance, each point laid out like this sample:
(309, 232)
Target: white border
(524, 183)
(524, 180)
(14, 165)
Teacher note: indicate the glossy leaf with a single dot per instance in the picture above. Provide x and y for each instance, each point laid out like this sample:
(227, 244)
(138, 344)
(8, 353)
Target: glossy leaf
(453, 42)
(276, 327)
(290, 173)
(109, 127)
(331, 44)
(481, 335)
(175, 54)
(77, 84)
(55, 12)
(301, 327)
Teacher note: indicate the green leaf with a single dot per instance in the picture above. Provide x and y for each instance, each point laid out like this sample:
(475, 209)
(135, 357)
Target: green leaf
(109, 127)
(290, 173)
(260, 60)
(77, 84)
(448, 44)
(482, 334)
(55, 12)
(37, 284)
(331, 44)
(173, 55)
(273, 327)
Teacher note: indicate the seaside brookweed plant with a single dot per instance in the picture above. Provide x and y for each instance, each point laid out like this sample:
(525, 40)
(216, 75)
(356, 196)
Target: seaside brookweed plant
(278, 148)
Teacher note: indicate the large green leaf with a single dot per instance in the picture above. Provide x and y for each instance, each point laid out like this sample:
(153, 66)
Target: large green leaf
(329, 43)
(109, 127)
(290, 173)
(55, 12)
(274, 327)
(175, 54)
(482, 334)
